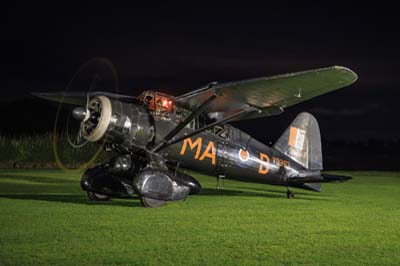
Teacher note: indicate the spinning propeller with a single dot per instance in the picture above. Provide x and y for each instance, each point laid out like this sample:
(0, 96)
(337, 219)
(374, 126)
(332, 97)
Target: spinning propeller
(83, 115)
(80, 115)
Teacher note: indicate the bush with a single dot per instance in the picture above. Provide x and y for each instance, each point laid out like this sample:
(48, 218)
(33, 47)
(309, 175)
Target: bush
(39, 149)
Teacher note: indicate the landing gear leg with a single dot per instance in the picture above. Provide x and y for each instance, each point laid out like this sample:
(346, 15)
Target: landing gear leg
(223, 182)
(289, 193)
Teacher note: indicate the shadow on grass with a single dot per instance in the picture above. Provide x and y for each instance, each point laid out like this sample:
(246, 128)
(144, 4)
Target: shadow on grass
(55, 194)
(129, 202)
(72, 198)
(38, 179)
(283, 190)
(248, 193)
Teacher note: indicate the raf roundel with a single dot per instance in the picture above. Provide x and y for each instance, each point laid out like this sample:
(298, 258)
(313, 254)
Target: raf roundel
(243, 155)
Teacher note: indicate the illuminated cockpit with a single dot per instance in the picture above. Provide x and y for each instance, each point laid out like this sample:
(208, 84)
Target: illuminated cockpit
(157, 101)
(160, 105)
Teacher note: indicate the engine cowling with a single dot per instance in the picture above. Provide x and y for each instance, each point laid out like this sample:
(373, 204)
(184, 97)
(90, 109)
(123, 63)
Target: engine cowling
(160, 185)
(123, 124)
(188, 181)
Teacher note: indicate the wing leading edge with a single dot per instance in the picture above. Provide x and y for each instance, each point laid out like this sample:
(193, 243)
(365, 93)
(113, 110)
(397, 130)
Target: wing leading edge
(79, 98)
(270, 95)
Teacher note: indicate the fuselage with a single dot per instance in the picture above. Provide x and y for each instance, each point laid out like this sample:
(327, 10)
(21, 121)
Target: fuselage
(222, 151)
(231, 154)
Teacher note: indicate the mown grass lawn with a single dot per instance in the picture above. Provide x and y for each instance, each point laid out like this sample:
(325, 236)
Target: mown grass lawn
(46, 219)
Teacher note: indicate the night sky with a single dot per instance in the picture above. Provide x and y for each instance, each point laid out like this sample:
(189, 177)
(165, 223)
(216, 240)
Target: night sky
(177, 48)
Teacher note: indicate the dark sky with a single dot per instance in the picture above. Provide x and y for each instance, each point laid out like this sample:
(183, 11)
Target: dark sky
(177, 48)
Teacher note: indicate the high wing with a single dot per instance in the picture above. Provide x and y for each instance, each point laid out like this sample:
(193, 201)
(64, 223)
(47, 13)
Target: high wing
(79, 98)
(269, 95)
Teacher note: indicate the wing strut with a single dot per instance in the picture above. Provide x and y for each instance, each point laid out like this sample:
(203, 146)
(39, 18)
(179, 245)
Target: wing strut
(216, 123)
(182, 124)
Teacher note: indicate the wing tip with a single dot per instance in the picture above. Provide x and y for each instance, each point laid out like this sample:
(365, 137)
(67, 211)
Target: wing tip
(349, 71)
(42, 95)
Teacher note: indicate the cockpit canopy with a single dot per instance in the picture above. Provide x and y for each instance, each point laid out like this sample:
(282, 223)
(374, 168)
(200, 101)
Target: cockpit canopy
(157, 101)
(163, 107)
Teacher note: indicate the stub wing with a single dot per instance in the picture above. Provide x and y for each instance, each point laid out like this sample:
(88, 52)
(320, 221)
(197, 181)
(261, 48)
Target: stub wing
(270, 95)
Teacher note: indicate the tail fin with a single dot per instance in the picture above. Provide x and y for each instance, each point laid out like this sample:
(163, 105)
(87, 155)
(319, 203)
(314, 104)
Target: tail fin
(301, 142)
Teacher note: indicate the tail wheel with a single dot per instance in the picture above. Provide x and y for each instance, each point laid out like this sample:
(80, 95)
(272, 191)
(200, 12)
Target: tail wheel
(152, 203)
(289, 194)
(97, 197)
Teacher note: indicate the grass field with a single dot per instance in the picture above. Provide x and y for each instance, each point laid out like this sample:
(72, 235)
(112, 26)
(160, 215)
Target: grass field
(46, 219)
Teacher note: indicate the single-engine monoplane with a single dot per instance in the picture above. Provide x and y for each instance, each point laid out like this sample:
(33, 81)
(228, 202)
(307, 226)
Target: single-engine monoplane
(156, 136)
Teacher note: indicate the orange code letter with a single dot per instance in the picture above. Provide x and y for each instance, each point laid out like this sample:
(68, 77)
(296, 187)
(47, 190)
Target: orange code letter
(264, 164)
